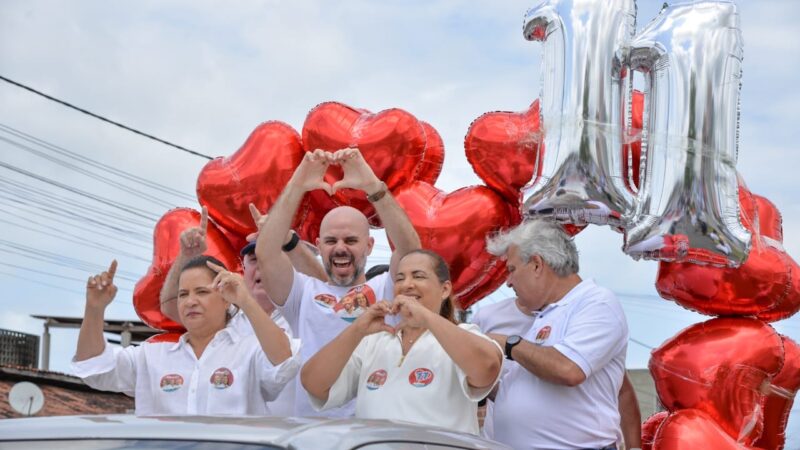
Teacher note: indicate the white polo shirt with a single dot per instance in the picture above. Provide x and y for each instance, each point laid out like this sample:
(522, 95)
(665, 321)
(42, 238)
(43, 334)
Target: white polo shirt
(317, 312)
(283, 405)
(232, 377)
(425, 386)
(503, 317)
(587, 326)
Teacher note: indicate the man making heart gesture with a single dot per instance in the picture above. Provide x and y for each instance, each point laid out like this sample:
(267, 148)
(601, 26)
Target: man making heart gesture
(344, 244)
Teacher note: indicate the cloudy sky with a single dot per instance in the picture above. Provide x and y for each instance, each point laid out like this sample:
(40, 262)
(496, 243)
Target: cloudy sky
(203, 76)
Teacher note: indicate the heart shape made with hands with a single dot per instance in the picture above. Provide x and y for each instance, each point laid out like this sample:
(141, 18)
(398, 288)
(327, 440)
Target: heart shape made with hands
(256, 173)
(720, 367)
(393, 143)
(455, 226)
(166, 246)
(767, 284)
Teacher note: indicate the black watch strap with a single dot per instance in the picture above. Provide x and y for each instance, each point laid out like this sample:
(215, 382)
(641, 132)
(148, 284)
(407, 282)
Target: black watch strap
(511, 342)
(289, 246)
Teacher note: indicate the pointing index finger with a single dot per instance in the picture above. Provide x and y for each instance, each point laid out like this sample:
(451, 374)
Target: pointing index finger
(255, 213)
(112, 269)
(215, 267)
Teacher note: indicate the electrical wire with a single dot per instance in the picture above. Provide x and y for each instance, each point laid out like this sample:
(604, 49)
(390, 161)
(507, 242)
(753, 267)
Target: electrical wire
(93, 163)
(97, 116)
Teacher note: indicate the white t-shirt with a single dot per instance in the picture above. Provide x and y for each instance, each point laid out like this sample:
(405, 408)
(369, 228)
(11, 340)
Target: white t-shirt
(232, 377)
(317, 312)
(425, 387)
(503, 317)
(587, 326)
(283, 405)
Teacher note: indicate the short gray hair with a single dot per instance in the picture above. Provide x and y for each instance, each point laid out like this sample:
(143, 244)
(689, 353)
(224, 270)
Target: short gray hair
(539, 237)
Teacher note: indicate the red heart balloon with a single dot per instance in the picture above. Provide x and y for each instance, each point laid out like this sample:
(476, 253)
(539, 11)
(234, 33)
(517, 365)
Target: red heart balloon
(166, 246)
(719, 367)
(256, 173)
(765, 284)
(430, 167)
(503, 149)
(781, 397)
(691, 429)
(455, 226)
(650, 427)
(392, 142)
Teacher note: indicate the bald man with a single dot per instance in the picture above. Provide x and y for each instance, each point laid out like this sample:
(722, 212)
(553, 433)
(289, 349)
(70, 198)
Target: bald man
(318, 311)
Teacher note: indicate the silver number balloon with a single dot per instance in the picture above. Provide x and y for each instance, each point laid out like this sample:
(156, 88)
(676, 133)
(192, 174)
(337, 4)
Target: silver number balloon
(582, 110)
(687, 207)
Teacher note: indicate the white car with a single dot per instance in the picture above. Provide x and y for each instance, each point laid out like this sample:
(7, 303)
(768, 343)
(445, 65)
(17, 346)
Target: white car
(108, 432)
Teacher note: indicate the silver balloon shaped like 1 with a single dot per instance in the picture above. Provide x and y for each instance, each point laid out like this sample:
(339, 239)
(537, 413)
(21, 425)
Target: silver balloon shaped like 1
(582, 110)
(687, 207)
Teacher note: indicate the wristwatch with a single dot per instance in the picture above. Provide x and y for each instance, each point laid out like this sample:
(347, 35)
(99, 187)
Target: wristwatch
(511, 342)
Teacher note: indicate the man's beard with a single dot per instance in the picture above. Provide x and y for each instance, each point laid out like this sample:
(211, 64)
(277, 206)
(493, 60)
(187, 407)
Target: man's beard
(345, 282)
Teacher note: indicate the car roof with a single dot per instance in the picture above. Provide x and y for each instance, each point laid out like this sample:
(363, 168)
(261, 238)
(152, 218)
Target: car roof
(299, 433)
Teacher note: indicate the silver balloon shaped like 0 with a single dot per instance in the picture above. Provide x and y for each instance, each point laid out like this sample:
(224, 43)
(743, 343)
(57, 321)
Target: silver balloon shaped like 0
(687, 207)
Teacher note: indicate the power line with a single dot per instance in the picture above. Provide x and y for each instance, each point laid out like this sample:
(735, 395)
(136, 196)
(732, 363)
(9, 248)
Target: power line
(64, 236)
(96, 116)
(88, 173)
(90, 162)
(132, 210)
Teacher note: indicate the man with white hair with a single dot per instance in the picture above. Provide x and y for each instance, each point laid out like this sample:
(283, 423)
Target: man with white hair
(563, 391)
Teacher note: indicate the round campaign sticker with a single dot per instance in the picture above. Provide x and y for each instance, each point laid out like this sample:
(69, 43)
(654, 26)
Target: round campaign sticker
(171, 382)
(542, 335)
(376, 379)
(222, 378)
(420, 377)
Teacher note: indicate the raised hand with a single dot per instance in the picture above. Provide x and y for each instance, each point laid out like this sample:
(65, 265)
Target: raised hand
(414, 314)
(357, 173)
(193, 240)
(259, 219)
(372, 320)
(311, 171)
(230, 285)
(100, 289)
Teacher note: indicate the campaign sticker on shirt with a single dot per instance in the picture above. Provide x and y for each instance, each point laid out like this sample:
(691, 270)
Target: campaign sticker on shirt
(352, 305)
(222, 378)
(376, 379)
(420, 377)
(171, 382)
(542, 335)
(325, 300)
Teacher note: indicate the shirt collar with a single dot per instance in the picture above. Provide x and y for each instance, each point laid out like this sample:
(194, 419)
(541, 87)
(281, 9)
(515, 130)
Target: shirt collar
(229, 331)
(570, 296)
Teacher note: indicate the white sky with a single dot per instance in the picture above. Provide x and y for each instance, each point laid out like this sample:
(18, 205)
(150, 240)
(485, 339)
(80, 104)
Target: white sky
(204, 75)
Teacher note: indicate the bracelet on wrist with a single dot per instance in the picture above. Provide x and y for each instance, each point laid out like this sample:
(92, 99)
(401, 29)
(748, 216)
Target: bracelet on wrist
(374, 197)
(289, 246)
